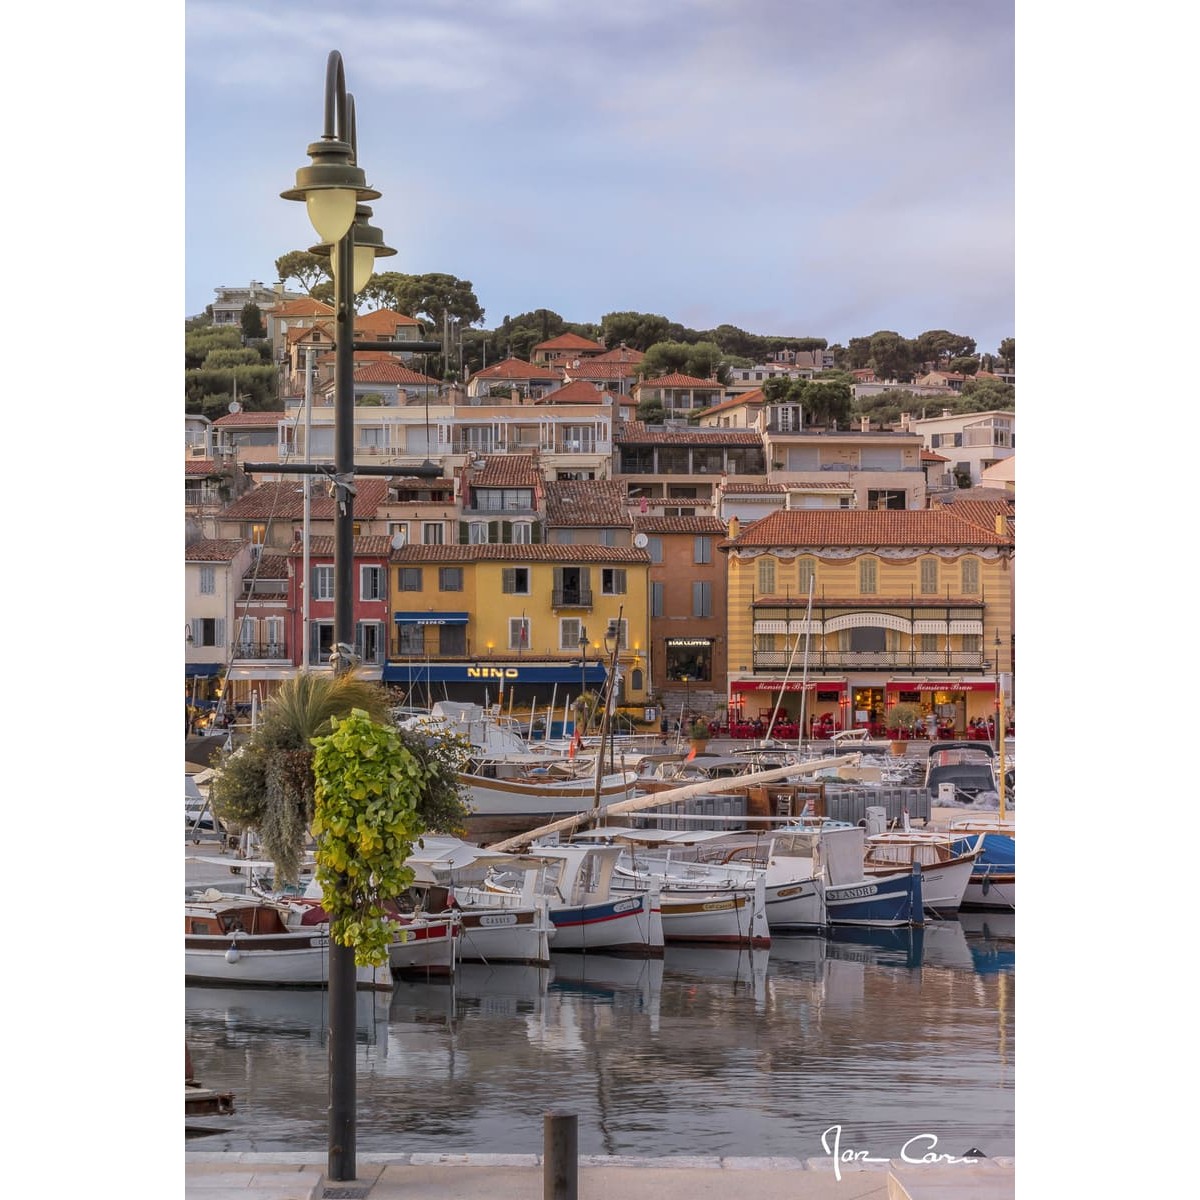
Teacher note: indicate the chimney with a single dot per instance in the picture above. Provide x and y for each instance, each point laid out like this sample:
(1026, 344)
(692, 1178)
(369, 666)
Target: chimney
(905, 418)
(865, 425)
(734, 526)
(1000, 525)
(515, 395)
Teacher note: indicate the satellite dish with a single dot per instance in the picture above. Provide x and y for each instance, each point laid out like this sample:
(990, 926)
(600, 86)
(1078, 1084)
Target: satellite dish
(641, 541)
(234, 407)
(398, 540)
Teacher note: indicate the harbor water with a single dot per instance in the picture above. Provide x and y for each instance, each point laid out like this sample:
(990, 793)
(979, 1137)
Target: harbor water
(888, 1035)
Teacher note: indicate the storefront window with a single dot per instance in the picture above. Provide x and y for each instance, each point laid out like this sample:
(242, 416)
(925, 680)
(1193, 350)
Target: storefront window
(689, 658)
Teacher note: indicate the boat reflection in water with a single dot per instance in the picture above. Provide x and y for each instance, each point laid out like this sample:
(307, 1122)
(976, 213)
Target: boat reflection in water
(708, 1050)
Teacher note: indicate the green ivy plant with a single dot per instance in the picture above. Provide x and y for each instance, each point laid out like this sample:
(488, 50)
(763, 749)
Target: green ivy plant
(365, 823)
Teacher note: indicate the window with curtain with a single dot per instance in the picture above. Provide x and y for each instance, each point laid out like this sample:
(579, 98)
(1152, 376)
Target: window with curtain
(450, 579)
(322, 583)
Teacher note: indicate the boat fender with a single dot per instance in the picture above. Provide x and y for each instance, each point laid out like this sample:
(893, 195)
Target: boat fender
(233, 954)
(987, 885)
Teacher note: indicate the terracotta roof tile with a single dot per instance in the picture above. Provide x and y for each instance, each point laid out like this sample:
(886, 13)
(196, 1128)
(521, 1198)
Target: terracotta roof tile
(539, 552)
(382, 321)
(931, 456)
(569, 341)
(214, 549)
(737, 486)
(250, 419)
(694, 525)
(578, 391)
(859, 527)
(640, 434)
(598, 368)
(586, 503)
(281, 499)
(621, 354)
(517, 368)
(390, 371)
(374, 545)
(677, 380)
(755, 397)
(506, 470)
(270, 566)
(200, 466)
(306, 306)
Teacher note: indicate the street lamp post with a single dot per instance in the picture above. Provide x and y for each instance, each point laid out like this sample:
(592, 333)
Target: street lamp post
(583, 647)
(333, 187)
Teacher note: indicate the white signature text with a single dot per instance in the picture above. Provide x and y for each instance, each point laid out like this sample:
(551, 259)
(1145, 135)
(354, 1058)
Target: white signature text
(831, 1143)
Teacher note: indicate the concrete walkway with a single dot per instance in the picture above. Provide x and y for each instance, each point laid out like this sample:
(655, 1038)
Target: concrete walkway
(226, 1176)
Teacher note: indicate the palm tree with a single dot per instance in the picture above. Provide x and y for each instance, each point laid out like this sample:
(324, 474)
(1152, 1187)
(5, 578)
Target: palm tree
(267, 783)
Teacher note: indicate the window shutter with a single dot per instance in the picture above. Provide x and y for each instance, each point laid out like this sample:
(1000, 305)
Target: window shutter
(493, 528)
(506, 532)
(558, 580)
(619, 581)
(509, 575)
(464, 534)
(535, 532)
(219, 632)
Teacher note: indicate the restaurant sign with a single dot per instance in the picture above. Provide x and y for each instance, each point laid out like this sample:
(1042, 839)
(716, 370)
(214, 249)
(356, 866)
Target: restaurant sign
(945, 685)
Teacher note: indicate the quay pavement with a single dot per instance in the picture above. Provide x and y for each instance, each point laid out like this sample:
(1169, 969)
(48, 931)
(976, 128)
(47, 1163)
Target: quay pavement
(245, 1176)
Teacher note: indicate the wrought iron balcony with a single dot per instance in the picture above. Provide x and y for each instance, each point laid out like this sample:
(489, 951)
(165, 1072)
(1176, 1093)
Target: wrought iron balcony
(271, 651)
(872, 660)
(572, 598)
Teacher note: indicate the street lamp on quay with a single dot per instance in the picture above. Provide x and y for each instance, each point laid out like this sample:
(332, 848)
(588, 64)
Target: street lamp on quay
(583, 648)
(333, 188)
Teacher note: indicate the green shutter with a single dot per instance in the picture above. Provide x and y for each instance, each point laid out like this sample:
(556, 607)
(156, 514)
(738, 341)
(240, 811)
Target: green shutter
(464, 533)
(535, 532)
(506, 532)
(493, 533)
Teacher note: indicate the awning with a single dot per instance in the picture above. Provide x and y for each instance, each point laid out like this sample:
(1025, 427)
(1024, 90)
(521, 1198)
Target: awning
(202, 670)
(431, 618)
(491, 676)
(262, 672)
(940, 685)
(792, 685)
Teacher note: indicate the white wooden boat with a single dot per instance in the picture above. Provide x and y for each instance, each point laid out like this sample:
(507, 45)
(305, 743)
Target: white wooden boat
(946, 866)
(447, 869)
(576, 881)
(425, 944)
(537, 789)
(237, 940)
(793, 897)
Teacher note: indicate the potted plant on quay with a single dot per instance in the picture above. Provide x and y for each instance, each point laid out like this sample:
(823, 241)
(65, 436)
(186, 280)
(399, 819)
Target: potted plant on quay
(903, 718)
(699, 732)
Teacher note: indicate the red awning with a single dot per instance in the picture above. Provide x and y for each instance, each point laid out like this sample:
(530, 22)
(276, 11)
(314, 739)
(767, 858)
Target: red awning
(944, 685)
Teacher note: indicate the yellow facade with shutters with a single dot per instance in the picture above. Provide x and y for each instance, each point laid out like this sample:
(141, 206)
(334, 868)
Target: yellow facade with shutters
(932, 618)
(525, 606)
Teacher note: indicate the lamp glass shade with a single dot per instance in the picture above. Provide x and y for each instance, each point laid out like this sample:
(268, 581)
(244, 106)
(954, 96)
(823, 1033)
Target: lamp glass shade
(331, 210)
(364, 266)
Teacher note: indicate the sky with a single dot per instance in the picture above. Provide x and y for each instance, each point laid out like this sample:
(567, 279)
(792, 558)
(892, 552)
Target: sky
(805, 168)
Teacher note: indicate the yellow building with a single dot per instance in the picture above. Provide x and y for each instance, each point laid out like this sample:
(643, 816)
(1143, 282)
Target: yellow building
(912, 606)
(488, 622)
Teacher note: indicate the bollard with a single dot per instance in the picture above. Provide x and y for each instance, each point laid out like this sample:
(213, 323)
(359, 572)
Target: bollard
(560, 1156)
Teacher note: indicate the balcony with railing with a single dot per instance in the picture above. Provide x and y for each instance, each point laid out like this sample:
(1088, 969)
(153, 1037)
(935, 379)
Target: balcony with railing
(872, 660)
(572, 597)
(261, 652)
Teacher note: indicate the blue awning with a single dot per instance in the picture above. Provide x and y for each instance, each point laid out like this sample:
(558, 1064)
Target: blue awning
(488, 675)
(431, 618)
(202, 670)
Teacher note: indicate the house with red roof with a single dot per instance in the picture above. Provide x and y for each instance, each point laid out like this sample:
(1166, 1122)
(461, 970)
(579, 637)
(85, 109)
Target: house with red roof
(906, 606)
(566, 348)
(514, 379)
(679, 394)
